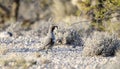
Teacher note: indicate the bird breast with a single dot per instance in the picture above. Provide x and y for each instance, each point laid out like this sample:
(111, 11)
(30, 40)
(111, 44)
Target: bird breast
(52, 36)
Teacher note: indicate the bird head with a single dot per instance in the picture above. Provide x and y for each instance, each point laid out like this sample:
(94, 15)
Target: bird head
(53, 27)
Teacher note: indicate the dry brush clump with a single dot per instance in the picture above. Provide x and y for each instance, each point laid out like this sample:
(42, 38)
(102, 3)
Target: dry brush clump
(74, 38)
(69, 34)
(20, 61)
(101, 43)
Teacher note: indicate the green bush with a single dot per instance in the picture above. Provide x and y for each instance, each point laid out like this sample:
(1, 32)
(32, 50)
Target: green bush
(100, 11)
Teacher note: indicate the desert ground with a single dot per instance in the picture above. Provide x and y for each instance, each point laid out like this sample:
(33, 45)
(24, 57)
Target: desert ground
(21, 51)
(59, 34)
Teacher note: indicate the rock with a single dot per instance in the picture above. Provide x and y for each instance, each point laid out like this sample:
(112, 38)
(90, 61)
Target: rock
(5, 34)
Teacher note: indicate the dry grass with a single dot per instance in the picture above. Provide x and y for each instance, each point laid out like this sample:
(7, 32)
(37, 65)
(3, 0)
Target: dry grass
(101, 43)
(14, 61)
(69, 36)
(18, 61)
(72, 33)
(3, 50)
(113, 27)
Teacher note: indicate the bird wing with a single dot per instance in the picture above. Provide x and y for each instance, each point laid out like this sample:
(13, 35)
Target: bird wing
(48, 41)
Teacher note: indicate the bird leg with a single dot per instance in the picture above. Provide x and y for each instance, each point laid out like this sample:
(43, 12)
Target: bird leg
(46, 51)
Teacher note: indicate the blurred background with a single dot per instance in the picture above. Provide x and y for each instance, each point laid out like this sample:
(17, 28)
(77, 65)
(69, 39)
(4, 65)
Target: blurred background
(102, 15)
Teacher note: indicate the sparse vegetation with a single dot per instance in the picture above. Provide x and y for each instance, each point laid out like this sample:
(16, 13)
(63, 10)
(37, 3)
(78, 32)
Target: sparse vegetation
(16, 60)
(87, 31)
(71, 34)
(98, 11)
(101, 43)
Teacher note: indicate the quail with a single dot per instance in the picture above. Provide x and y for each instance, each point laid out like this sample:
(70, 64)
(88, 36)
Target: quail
(50, 38)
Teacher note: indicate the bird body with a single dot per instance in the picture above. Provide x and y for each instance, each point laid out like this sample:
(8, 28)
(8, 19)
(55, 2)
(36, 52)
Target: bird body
(49, 40)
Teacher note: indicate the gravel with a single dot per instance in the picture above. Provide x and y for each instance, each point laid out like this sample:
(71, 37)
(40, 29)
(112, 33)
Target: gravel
(60, 57)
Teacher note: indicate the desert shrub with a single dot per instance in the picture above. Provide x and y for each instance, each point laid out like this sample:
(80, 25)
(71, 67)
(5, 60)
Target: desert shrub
(70, 34)
(73, 38)
(98, 11)
(101, 43)
(113, 28)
